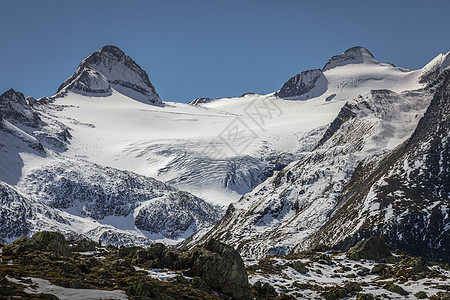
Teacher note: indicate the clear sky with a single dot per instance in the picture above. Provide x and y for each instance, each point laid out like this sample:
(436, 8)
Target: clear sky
(212, 48)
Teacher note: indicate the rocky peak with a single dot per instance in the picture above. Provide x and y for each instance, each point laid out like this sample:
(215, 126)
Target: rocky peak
(16, 109)
(355, 55)
(11, 96)
(307, 84)
(110, 68)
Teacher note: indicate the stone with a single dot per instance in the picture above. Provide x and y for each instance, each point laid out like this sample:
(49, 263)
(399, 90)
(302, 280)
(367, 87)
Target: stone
(299, 267)
(421, 295)
(378, 268)
(353, 287)
(373, 248)
(395, 289)
(222, 268)
(264, 290)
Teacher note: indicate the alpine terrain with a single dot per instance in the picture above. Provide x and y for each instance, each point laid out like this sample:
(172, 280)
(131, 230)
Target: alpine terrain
(288, 195)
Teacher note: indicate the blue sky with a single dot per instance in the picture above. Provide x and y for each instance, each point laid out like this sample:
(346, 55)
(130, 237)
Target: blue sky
(211, 48)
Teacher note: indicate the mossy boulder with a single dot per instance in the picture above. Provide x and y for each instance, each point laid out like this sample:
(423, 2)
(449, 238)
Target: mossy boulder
(264, 290)
(395, 289)
(378, 268)
(142, 290)
(221, 267)
(353, 287)
(421, 295)
(160, 256)
(299, 267)
(362, 296)
(372, 248)
(41, 241)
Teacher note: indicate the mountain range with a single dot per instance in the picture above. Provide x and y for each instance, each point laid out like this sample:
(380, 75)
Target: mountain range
(354, 149)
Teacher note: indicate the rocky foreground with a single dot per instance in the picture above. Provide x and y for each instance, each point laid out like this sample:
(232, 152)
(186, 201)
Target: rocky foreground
(47, 266)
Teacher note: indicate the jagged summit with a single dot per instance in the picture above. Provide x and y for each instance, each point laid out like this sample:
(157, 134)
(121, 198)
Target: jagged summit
(354, 55)
(15, 108)
(110, 68)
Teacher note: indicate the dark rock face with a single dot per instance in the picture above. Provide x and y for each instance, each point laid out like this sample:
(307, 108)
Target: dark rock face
(110, 68)
(344, 115)
(373, 248)
(16, 110)
(303, 83)
(21, 112)
(198, 101)
(13, 217)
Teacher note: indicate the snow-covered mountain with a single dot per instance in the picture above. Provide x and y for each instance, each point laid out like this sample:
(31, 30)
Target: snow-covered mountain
(110, 69)
(105, 157)
(338, 193)
(404, 194)
(42, 189)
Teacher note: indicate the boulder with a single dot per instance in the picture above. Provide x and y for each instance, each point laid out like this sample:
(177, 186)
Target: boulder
(373, 248)
(221, 267)
(299, 267)
(421, 295)
(395, 289)
(264, 290)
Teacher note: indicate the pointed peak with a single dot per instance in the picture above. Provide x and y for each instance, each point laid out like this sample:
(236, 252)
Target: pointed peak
(354, 55)
(112, 52)
(110, 68)
(431, 71)
(11, 94)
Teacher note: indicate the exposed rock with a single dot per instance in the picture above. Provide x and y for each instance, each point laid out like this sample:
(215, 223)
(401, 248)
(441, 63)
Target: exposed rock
(307, 84)
(378, 268)
(299, 267)
(421, 295)
(395, 289)
(142, 290)
(222, 268)
(355, 55)
(353, 287)
(264, 290)
(82, 245)
(110, 68)
(373, 248)
(41, 241)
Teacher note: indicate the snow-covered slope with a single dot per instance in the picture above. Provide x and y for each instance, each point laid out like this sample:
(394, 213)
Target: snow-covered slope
(195, 147)
(44, 190)
(298, 200)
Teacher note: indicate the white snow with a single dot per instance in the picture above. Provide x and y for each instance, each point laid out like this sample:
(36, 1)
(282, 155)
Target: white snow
(44, 286)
